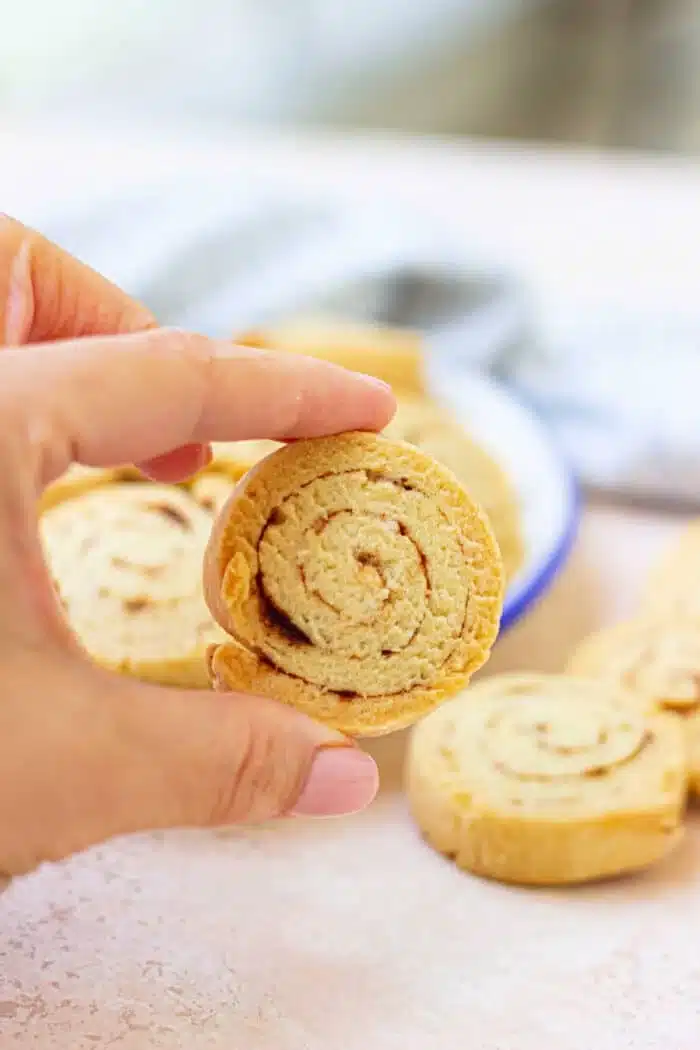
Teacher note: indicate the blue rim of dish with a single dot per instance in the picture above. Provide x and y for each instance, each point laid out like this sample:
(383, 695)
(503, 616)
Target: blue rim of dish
(540, 581)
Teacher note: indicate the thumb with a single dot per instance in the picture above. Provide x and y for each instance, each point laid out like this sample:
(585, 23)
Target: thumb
(199, 759)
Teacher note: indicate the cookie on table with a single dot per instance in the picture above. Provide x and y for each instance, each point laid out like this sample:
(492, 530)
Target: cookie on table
(548, 780)
(126, 559)
(394, 355)
(360, 582)
(658, 660)
(673, 585)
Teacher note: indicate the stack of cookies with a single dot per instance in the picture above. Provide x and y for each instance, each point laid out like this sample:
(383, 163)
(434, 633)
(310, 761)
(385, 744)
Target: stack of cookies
(553, 779)
(126, 554)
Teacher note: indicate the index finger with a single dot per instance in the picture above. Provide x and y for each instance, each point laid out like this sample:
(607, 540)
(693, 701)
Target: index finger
(129, 399)
(45, 293)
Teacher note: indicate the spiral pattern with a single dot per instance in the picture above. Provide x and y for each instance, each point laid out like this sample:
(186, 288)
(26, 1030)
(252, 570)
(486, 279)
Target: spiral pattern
(658, 661)
(547, 779)
(431, 428)
(541, 736)
(126, 559)
(359, 576)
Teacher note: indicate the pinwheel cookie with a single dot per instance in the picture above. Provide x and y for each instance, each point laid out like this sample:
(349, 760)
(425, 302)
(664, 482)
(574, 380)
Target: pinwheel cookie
(360, 582)
(658, 661)
(394, 355)
(430, 427)
(127, 562)
(77, 479)
(673, 586)
(539, 779)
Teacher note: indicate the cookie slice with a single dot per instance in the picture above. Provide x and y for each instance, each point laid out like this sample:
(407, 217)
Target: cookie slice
(658, 660)
(362, 584)
(127, 561)
(74, 481)
(431, 427)
(547, 780)
(394, 355)
(673, 585)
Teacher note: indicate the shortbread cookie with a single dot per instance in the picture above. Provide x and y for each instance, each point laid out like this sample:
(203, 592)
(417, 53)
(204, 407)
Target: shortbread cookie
(546, 779)
(431, 427)
(394, 355)
(673, 586)
(127, 562)
(659, 661)
(363, 584)
(75, 480)
(211, 489)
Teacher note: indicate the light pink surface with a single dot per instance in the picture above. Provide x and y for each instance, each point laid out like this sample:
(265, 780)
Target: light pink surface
(346, 935)
(352, 934)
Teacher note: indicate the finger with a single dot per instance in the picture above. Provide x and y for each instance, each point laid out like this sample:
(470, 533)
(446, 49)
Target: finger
(45, 293)
(177, 465)
(110, 756)
(135, 398)
(210, 759)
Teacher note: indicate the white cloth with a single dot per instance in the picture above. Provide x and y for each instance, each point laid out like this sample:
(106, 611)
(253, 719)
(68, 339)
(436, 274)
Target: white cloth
(619, 388)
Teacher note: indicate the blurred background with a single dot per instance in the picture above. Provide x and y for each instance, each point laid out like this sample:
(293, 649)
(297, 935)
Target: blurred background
(604, 73)
(549, 276)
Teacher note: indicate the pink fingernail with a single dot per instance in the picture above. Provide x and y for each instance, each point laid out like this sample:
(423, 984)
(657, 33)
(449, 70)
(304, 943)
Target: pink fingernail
(342, 780)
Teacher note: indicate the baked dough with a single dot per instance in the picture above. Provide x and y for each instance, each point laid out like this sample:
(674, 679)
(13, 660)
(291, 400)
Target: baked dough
(673, 586)
(127, 562)
(75, 480)
(659, 661)
(361, 582)
(394, 355)
(546, 779)
(431, 428)
(211, 489)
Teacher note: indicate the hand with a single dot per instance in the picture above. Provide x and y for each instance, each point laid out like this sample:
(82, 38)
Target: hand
(86, 376)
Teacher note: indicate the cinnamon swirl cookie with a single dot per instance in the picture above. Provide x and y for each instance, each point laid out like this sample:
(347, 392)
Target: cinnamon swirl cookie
(76, 479)
(360, 582)
(126, 559)
(658, 661)
(545, 779)
(673, 586)
(431, 428)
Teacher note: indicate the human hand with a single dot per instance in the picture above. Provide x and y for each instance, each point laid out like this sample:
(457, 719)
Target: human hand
(85, 755)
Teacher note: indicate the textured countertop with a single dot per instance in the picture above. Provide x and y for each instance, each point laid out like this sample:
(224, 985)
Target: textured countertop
(349, 934)
(352, 934)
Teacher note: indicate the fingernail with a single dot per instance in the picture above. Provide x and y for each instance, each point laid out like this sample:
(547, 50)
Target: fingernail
(342, 780)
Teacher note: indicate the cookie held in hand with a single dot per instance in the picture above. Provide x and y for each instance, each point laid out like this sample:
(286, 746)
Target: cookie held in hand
(547, 780)
(431, 427)
(360, 582)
